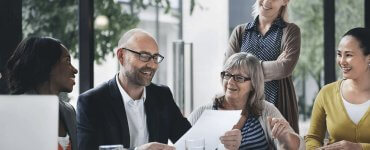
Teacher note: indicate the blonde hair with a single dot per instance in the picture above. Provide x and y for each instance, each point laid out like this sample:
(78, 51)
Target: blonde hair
(283, 12)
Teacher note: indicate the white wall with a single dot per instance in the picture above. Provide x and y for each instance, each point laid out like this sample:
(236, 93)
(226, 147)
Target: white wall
(207, 29)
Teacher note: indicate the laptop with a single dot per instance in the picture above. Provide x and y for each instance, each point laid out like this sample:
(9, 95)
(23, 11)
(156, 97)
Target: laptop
(29, 122)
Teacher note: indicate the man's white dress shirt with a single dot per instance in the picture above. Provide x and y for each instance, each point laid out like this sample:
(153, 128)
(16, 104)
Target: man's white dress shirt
(136, 117)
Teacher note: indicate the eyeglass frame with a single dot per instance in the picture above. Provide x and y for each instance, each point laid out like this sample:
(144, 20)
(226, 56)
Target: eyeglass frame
(243, 79)
(142, 56)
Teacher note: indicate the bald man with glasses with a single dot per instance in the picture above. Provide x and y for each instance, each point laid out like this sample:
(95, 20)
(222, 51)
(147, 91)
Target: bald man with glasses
(129, 109)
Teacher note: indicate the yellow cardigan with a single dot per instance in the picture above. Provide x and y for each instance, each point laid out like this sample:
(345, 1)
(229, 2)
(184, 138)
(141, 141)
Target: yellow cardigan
(329, 114)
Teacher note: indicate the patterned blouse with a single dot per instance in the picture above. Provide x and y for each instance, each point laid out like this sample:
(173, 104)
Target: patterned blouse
(266, 48)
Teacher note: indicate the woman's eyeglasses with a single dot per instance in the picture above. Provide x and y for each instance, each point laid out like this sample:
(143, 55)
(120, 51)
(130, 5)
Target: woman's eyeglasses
(238, 78)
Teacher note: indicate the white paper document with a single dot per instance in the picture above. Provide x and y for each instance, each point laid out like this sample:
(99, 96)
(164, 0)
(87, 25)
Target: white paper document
(211, 125)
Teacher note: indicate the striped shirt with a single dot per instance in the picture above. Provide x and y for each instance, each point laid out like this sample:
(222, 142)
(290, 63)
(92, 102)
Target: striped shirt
(253, 136)
(265, 47)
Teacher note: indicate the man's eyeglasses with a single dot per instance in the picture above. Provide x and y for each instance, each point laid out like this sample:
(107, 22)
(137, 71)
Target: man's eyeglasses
(147, 57)
(238, 78)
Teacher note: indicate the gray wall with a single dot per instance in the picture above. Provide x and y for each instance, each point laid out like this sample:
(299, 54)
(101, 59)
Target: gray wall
(240, 11)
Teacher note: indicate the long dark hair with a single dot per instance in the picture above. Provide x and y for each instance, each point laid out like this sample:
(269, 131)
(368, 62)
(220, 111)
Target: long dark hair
(363, 37)
(31, 63)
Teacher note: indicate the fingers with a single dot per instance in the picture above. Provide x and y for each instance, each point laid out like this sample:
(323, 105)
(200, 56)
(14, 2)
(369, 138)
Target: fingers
(234, 132)
(157, 146)
(339, 145)
(274, 121)
(278, 126)
(232, 135)
(231, 139)
(167, 147)
(274, 129)
(231, 146)
(331, 147)
(280, 130)
(269, 121)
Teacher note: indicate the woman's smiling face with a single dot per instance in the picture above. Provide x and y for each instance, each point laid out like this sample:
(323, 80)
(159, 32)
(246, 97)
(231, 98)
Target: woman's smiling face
(270, 8)
(351, 58)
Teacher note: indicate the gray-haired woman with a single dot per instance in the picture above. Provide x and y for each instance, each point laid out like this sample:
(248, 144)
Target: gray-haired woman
(275, 41)
(261, 124)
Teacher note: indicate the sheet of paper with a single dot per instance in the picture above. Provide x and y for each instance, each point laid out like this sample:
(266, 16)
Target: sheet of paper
(211, 125)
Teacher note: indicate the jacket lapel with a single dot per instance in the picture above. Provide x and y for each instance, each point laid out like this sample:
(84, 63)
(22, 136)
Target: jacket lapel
(119, 109)
(70, 123)
(151, 114)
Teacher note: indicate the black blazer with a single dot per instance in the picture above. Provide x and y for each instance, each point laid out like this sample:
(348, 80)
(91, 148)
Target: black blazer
(101, 117)
(68, 114)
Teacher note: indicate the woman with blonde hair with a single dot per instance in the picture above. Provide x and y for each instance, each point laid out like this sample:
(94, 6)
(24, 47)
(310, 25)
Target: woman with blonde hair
(276, 42)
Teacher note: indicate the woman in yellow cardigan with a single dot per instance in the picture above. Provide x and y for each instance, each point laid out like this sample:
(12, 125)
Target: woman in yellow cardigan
(342, 108)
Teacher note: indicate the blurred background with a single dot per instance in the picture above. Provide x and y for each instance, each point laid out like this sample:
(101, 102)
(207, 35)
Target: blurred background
(192, 36)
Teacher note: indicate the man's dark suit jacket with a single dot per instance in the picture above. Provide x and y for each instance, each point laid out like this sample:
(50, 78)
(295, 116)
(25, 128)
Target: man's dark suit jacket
(101, 117)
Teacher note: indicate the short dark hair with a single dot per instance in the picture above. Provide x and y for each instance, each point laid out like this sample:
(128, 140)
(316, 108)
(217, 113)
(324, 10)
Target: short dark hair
(31, 63)
(363, 37)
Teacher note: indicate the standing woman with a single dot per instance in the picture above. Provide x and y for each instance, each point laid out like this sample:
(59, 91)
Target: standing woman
(342, 108)
(42, 66)
(277, 44)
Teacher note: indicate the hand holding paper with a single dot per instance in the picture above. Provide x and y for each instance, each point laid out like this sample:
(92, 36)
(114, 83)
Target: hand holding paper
(232, 139)
(211, 126)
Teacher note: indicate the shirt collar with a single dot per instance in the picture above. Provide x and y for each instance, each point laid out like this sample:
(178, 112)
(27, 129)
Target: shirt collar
(126, 98)
(278, 22)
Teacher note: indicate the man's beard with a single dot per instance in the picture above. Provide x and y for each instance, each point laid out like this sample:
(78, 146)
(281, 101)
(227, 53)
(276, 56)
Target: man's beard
(138, 78)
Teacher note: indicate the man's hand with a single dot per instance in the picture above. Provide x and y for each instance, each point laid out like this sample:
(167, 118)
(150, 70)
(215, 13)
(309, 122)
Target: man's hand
(343, 145)
(155, 146)
(231, 139)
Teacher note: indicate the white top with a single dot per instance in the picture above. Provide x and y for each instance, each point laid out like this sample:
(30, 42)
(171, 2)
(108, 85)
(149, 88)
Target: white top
(136, 117)
(64, 141)
(355, 111)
